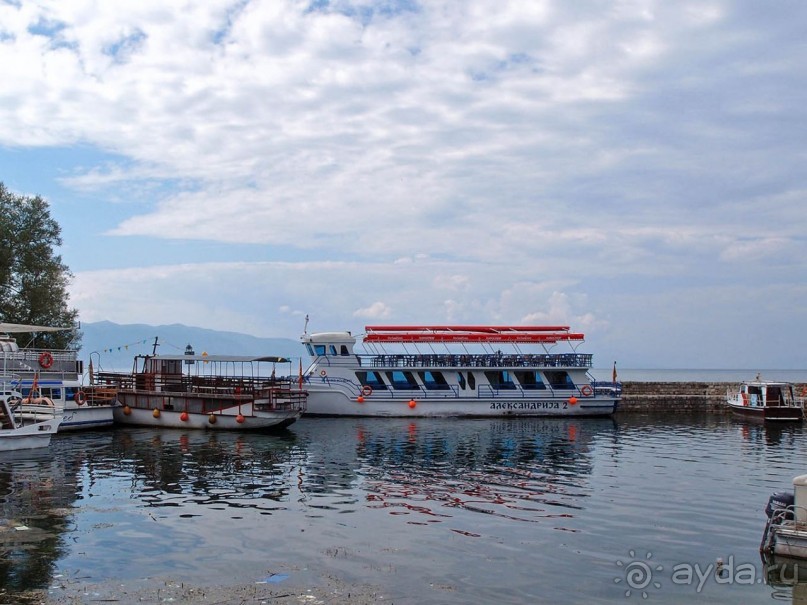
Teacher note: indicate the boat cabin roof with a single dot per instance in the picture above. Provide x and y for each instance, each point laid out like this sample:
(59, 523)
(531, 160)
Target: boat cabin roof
(470, 334)
(220, 358)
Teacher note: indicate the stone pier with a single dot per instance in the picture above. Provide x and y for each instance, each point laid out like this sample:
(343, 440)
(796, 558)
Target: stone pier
(680, 397)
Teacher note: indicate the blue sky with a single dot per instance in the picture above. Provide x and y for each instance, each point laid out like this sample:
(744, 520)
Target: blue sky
(634, 169)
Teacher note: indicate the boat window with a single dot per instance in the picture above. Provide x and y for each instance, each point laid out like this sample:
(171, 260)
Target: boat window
(319, 350)
(461, 380)
(343, 350)
(471, 381)
(402, 380)
(501, 379)
(371, 379)
(530, 379)
(309, 348)
(433, 381)
(332, 349)
(70, 393)
(559, 379)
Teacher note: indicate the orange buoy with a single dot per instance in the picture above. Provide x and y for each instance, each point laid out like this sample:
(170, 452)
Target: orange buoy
(240, 418)
(360, 398)
(156, 413)
(412, 404)
(46, 360)
(184, 416)
(127, 410)
(211, 419)
(572, 400)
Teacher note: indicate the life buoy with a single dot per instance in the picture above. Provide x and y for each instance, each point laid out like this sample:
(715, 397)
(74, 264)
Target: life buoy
(586, 390)
(804, 391)
(367, 390)
(80, 397)
(323, 373)
(46, 360)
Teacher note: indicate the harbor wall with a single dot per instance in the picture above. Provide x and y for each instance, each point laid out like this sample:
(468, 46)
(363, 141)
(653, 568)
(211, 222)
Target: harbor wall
(678, 397)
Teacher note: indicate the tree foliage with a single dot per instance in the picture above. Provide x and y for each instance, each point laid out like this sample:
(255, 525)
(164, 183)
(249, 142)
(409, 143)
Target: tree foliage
(33, 278)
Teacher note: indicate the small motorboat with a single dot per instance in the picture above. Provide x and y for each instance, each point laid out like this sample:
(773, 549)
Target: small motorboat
(18, 433)
(766, 400)
(785, 532)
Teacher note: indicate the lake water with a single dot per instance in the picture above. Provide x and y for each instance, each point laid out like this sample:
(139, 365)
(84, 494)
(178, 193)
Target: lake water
(422, 511)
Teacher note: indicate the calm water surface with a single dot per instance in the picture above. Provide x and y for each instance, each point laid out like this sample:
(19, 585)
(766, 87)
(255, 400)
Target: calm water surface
(437, 511)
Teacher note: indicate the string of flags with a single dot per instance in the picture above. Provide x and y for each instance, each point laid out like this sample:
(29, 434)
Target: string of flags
(125, 347)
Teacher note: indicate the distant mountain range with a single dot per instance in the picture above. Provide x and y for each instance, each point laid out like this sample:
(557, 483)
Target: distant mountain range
(115, 345)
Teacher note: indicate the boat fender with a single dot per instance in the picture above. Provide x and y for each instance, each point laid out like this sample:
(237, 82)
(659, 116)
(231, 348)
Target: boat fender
(80, 398)
(211, 419)
(367, 390)
(156, 413)
(572, 400)
(46, 360)
(780, 507)
(586, 390)
(412, 404)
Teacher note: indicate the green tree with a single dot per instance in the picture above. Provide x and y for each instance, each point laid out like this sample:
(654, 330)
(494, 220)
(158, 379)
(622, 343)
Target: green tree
(33, 278)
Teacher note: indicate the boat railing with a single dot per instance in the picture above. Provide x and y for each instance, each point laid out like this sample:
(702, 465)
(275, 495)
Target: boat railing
(44, 361)
(203, 385)
(485, 360)
(602, 387)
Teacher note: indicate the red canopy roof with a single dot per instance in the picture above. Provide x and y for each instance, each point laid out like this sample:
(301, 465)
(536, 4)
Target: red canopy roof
(515, 334)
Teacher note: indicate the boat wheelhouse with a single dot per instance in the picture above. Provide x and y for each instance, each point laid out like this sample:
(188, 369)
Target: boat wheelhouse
(454, 371)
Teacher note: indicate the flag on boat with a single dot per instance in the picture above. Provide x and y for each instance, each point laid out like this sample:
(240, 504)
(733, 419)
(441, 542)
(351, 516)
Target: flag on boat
(300, 379)
(92, 375)
(613, 376)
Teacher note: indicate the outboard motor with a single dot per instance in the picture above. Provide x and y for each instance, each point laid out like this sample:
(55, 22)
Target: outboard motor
(780, 508)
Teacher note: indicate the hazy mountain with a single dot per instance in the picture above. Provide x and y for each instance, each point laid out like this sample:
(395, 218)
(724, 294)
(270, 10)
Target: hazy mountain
(114, 346)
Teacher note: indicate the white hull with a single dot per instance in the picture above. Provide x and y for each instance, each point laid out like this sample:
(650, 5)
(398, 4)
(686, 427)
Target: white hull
(87, 417)
(28, 437)
(790, 540)
(328, 402)
(226, 420)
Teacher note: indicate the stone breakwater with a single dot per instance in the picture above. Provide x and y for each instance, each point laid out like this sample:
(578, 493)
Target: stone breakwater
(678, 397)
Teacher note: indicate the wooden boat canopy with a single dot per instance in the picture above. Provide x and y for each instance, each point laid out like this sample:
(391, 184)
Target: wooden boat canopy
(471, 334)
(219, 358)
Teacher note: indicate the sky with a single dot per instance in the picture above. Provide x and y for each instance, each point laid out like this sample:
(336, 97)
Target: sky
(635, 169)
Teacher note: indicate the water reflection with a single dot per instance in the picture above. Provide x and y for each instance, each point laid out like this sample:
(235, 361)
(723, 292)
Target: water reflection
(521, 469)
(36, 493)
(452, 501)
(217, 469)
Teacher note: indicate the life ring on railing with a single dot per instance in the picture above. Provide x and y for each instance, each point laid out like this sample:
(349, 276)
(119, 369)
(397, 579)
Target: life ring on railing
(80, 398)
(46, 360)
(323, 373)
(804, 391)
(367, 390)
(586, 390)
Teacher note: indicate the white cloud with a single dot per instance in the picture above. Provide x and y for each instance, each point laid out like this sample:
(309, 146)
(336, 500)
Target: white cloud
(457, 159)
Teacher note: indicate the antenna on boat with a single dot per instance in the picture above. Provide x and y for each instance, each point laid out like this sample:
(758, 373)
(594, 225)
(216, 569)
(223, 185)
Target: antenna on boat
(305, 327)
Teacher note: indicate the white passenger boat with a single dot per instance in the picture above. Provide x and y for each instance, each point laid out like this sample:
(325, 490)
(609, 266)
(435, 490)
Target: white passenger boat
(59, 376)
(213, 392)
(454, 371)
